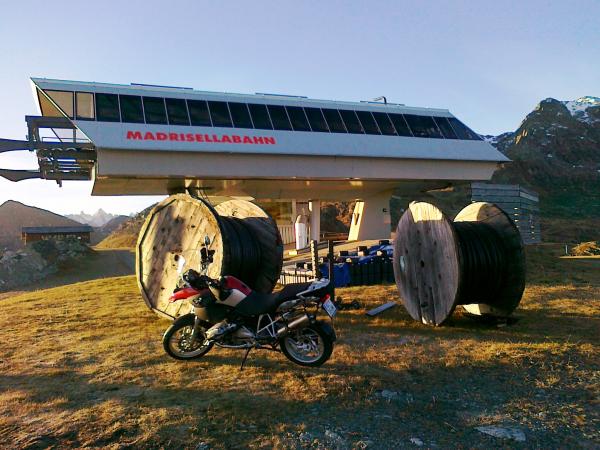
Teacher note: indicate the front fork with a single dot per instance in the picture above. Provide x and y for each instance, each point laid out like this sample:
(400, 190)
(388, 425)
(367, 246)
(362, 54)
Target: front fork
(196, 330)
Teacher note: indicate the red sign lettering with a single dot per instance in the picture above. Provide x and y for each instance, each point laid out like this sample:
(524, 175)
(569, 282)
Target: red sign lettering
(133, 135)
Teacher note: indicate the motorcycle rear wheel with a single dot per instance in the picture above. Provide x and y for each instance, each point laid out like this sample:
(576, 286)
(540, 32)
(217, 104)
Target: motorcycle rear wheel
(177, 339)
(310, 346)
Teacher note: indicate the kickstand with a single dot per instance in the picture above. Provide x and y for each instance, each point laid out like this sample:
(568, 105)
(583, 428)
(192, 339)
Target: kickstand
(245, 358)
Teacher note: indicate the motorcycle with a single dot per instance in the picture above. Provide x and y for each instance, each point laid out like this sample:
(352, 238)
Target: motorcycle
(227, 313)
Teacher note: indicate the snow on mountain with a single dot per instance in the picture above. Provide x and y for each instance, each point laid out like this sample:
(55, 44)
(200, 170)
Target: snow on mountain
(489, 138)
(579, 108)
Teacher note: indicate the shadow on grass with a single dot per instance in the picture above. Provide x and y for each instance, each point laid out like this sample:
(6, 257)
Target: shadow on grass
(427, 396)
(525, 327)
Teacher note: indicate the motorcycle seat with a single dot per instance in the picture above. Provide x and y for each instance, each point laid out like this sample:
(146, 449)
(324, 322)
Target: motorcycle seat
(257, 303)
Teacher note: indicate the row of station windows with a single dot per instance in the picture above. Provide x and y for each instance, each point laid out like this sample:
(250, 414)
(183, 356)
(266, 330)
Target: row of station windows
(207, 113)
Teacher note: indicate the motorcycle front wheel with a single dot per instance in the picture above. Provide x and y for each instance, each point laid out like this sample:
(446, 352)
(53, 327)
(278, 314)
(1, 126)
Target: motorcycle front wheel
(177, 340)
(311, 346)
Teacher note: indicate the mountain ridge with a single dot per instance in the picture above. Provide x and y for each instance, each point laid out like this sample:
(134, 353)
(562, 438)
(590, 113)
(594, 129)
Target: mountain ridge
(556, 151)
(96, 220)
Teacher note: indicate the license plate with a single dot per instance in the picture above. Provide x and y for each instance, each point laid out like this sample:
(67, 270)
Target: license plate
(329, 308)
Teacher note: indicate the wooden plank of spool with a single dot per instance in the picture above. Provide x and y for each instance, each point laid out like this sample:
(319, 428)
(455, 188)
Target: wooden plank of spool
(503, 302)
(426, 265)
(177, 225)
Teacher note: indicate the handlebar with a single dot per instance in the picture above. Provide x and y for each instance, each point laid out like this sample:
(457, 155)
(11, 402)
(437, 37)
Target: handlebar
(200, 281)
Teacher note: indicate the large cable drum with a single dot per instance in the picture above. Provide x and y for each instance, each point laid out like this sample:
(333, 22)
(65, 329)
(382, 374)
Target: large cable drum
(244, 237)
(477, 261)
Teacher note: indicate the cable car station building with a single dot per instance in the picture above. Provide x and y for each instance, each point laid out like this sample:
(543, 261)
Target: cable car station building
(142, 139)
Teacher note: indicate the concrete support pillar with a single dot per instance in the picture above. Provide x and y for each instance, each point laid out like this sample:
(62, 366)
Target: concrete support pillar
(294, 211)
(315, 219)
(371, 218)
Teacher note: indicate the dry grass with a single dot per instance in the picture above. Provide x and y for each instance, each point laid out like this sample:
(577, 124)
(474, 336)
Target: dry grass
(82, 366)
(118, 241)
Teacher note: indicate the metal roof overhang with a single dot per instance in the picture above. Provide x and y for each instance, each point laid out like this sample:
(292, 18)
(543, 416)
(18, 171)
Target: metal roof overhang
(269, 176)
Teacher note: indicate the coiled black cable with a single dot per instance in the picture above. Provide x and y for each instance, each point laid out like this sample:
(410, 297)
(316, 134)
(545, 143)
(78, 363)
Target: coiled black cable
(484, 262)
(242, 256)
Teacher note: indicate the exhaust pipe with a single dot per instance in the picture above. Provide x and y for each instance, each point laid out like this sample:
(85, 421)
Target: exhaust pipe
(294, 324)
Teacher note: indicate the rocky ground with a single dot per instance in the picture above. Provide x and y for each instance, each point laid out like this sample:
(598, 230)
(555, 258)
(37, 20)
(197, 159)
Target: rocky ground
(38, 261)
(55, 263)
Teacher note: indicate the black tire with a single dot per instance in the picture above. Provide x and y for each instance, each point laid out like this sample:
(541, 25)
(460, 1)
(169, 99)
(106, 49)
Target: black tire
(172, 342)
(325, 336)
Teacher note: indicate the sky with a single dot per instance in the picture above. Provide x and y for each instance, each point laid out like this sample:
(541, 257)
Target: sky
(488, 62)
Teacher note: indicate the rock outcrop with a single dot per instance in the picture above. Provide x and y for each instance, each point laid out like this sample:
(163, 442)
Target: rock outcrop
(37, 261)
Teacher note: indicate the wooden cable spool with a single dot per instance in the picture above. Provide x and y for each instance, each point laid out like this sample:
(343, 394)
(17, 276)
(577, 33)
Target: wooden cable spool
(477, 261)
(244, 237)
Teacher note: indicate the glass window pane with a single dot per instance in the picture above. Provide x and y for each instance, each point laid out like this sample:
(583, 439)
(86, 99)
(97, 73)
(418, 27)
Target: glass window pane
(47, 107)
(462, 131)
(64, 100)
(445, 128)
(219, 113)
(367, 121)
(298, 118)
(131, 108)
(279, 117)
(199, 113)
(351, 121)
(316, 119)
(107, 108)
(422, 126)
(154, 110)
(400, 124)
(334, 121)
(240, 115)
(384, 123)
(260, 117)
(85, 105)
(177, 111)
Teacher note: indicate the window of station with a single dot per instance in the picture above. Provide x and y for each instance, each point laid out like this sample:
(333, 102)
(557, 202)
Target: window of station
(154, 110)
(384, 123)
(260, 117)
(279, 117)
(462, 131)
(131, 108)
(199, 115)
(445, 127)
(351, 121)
(177, 111)
(400, 124)
(334, 120)
(64, 100)
(422, 126)
(84, 106)
(298, 118)
(316, 119)
(219, 113)
(107, 108)
(368, 122)
(240, 115)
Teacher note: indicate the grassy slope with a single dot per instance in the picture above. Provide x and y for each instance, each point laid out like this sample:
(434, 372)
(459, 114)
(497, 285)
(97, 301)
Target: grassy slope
(118, 240)
(82, 365)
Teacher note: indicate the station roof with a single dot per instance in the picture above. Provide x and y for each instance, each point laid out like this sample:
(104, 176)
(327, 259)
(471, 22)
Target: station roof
(191, 93)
